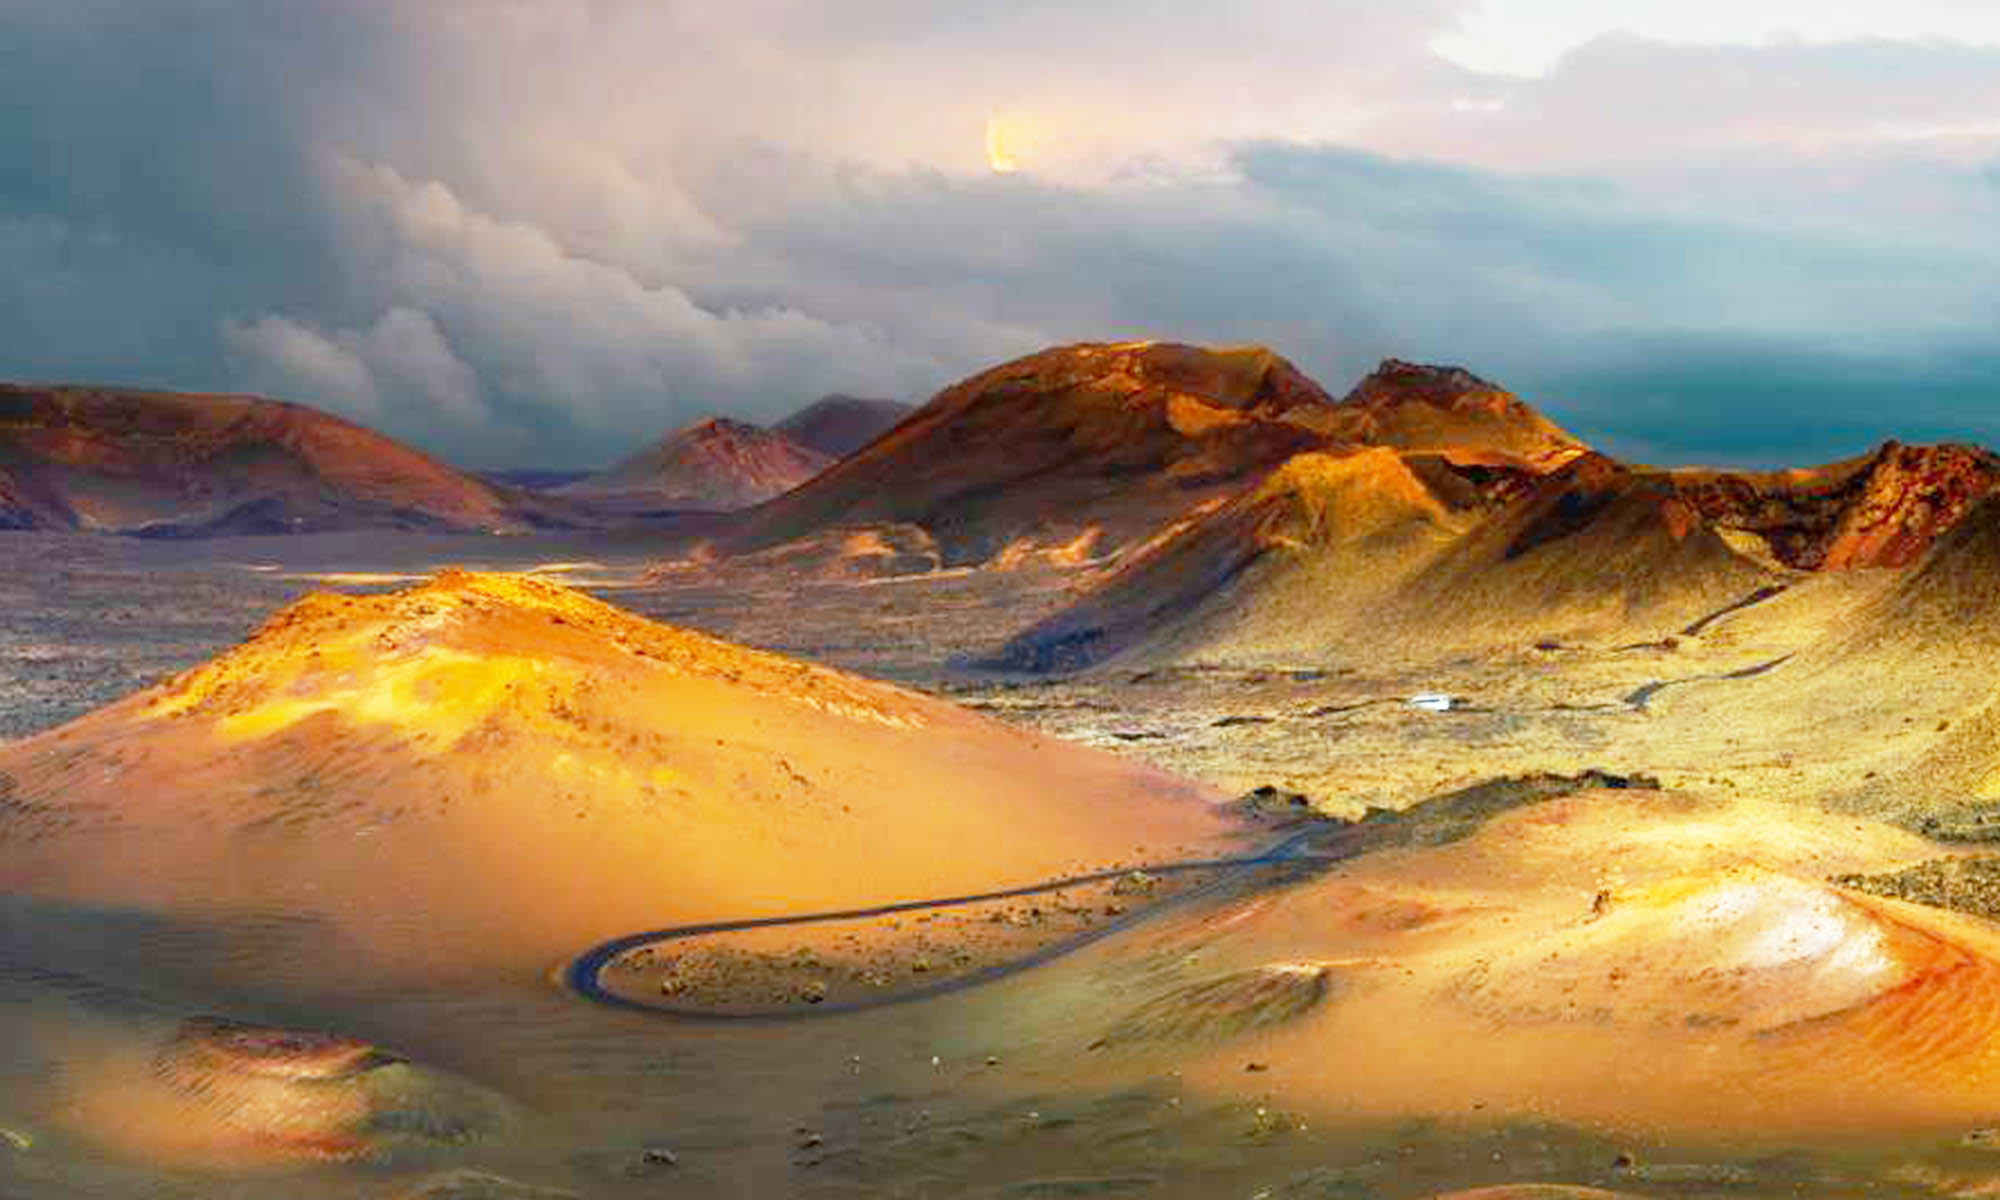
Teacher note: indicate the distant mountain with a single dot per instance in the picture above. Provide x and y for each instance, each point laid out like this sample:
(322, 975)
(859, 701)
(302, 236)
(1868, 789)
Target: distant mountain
(532, 479)
(838, 425)
(715, 464)
(168, 464)
(1110, 440)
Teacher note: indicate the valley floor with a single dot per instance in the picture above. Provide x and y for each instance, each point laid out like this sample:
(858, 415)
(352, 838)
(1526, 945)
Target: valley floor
(84, 621)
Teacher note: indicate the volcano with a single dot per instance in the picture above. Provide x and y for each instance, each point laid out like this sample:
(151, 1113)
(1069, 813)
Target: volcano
(171, 464)
(488, 771)
(1449, 412)
(1597, 550)
(715, 465)
(1119, 438)
(837, 425)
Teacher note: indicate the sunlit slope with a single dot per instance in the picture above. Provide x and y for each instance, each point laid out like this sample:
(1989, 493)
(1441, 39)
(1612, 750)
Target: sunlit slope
(1894, 676)
(1911, 674)
(1288, 569)
(1650, 962)
(1343, 554)
(494, 769)
(1448, 411)
(1119, 438)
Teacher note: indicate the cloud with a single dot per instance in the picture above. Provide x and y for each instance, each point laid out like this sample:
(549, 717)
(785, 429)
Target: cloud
(1528, 37)
(282, 356)
(1623, 103)
(403, 356)
(572, 352)
(550, 229)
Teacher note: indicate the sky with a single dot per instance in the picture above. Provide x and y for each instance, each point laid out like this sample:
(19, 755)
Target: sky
(542, 232)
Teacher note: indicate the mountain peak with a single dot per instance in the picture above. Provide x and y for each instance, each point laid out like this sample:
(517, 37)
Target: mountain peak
(720, 426)
(1398, 381)
(839, 424)
(718, 463)
(1117, 437)
(1448, 410)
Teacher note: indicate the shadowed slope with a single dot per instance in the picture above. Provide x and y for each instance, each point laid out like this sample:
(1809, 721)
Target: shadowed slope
(715, 464)
(1284, 569)
(1125, 438)
(837, 426)
(1597, 550)
(163, 463)
(495, 770)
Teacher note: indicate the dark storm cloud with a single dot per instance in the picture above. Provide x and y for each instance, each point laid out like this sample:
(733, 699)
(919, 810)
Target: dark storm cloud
(547, 229)
(1743, 401)
(156, 172)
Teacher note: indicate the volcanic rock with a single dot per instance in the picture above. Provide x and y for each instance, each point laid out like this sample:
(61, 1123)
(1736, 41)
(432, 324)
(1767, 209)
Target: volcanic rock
(1884, 509)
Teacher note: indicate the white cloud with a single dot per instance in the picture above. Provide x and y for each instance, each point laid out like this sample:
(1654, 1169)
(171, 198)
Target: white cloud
(397, 374)
(284, 358)
(1528, 37)
(410, 357)
(553, 330)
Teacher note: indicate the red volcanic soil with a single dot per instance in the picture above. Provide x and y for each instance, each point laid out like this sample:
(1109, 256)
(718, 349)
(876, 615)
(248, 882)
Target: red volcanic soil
(715, 464)
(169, 464)
(837, 426)
(1881, 510)
(1121, 438)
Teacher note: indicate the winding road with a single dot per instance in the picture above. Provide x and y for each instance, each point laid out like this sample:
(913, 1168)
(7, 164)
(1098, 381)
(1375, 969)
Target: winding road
(582, 974)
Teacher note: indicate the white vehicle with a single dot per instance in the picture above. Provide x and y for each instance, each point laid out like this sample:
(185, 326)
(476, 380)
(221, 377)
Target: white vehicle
(1432, 702)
